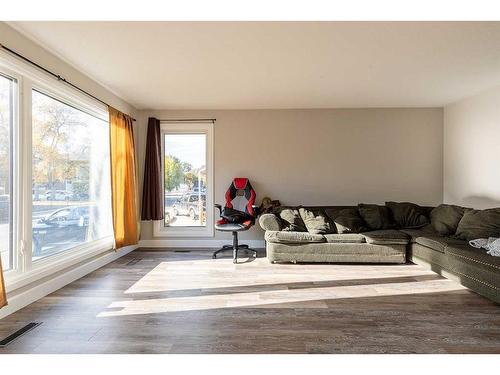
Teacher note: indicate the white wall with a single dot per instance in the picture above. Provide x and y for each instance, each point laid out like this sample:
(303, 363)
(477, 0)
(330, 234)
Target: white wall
(12, 39)
(322, 156)
(472, 151)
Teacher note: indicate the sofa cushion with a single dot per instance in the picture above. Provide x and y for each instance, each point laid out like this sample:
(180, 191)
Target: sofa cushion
(426, 231)
(472, 255)
(291, 220)
(408, 215)
(386, 236)
(375, 216)
(345, 238)
(269, 222)
(316, 221)
(336, 252)
(445, 218)
(293, 237)
(479, 224)
(347, 220)
(438, 243)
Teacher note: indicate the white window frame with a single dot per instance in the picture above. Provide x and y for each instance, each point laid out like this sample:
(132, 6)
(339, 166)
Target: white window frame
(28, 78)
(16, 196)
(188, 127)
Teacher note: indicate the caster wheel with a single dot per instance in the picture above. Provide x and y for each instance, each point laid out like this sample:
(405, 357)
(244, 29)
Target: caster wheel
(214, 256)
(235, 261)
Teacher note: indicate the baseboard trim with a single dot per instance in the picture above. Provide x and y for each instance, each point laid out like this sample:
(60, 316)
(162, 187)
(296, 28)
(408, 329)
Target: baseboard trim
(173, 243)
(30, 295)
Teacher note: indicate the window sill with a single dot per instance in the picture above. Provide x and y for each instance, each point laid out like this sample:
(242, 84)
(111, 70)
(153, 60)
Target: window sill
(161, 231)
(49, 266)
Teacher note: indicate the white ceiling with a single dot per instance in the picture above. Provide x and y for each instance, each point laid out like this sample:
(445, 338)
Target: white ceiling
(229, 65)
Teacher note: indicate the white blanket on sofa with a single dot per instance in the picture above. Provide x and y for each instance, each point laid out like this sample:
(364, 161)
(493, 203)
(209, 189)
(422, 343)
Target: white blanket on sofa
(491, 244)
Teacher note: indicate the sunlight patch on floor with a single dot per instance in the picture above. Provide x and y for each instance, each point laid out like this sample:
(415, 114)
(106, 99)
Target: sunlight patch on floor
(207, 273)
(314, 297)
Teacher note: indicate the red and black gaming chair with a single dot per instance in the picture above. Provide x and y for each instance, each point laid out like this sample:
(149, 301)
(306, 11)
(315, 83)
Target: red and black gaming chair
(237, 215)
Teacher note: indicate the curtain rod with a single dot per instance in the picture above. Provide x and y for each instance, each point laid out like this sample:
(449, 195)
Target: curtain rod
(57, 76)
(188, 120)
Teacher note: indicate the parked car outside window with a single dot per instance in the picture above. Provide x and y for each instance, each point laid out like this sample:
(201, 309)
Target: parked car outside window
(4, 207)
(58, 195)
(188, 205)
(60, 229)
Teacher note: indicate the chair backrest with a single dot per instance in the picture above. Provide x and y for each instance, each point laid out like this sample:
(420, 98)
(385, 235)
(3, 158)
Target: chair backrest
(241, 196)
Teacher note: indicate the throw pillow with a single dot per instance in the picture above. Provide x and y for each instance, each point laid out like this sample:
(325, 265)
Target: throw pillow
(408, 215)
(347, 220)
(445, 218)
(375, 216)
(316, 221)
(291, 220)
(479, 224)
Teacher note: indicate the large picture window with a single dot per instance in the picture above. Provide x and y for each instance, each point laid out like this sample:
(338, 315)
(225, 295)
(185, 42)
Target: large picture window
(71, 194)
(187, 177)
(7, 113)
(55, 180)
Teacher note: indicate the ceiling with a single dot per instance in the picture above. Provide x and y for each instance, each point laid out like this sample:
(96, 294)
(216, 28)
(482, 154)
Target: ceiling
(236, 65)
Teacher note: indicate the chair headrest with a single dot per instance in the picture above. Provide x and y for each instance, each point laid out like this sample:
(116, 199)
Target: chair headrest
(241, 196)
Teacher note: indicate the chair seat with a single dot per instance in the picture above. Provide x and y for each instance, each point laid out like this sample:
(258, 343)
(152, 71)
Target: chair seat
(232, 227)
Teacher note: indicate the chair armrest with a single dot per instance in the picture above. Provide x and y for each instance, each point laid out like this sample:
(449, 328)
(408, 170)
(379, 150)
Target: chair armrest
(270, 222)
(218, 206)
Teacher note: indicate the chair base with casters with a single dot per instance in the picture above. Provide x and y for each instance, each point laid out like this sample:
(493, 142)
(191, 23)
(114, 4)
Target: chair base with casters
(235, 247)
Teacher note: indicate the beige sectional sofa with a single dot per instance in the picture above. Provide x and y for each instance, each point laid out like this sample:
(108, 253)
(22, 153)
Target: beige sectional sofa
(288, 240)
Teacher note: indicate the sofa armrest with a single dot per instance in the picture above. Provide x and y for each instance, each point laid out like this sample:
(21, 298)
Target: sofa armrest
(270, 222)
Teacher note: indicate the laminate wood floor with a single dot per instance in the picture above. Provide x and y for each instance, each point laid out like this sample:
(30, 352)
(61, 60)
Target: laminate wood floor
(152, 301)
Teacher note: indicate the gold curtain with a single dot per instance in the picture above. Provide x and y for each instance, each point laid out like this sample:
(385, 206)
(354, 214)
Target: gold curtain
(123, 179)
(3, 297)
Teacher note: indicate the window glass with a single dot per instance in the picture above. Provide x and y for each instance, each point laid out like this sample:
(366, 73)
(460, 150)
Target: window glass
(185, 180)
(7, 86)
(71, 191)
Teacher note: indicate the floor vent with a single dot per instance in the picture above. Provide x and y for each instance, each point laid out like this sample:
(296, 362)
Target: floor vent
(134, 261)
(182, 251)
(28, 327)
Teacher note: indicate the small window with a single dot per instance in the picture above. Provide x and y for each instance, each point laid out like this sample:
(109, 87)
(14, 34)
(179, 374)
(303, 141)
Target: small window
(187, 176)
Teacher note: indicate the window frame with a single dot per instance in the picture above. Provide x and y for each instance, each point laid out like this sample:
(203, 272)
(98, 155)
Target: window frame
(190, 127)
(76, 103)
(15, 197)
(29, 78)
